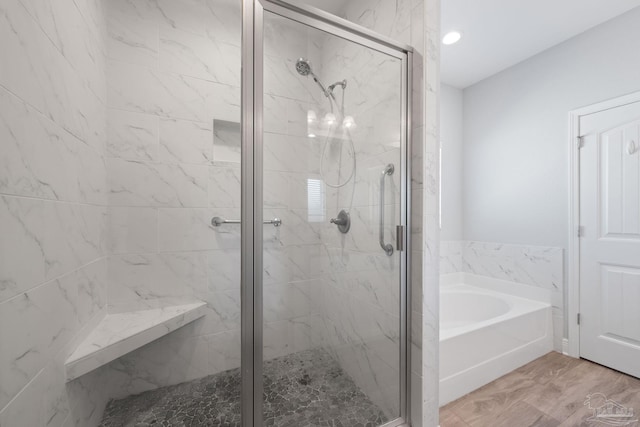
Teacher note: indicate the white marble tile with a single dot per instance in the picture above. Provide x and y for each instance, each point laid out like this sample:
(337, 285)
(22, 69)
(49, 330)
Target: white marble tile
(22, 412)
(48, 318)
(291, 300)
(199, 56)
(91, 283)
(191, 229)
(73, 236)
(289, 263)
(132, 9)
(55, 401)
(283, 38)
(224, 187)
(79, 41)
(38, 154)
(296, 228)
(89, 395)
(147, 277)
(373, 287)
(290, 336)
(144, 90)
(531, 265)
(296, 116)
(90, 175)
(132, 38)
(28, 78)
(291, 154)
(185, 142)
(451, 256)
(22, 256)
(133, 88)
(222, 313)
(391, 19)
(281, 79)
(274, 120)
(225, 21)
(132, 136)
(224, 269)
(224, 351)
(134, 183)
(53, 134)
(132, 230)
(276, 187)
(220, 19)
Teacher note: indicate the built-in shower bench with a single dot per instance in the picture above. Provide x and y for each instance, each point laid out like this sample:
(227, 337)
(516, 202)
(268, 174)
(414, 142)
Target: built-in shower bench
(120, 333)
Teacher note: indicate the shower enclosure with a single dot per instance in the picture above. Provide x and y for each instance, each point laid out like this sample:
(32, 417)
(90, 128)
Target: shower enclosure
(257, 218)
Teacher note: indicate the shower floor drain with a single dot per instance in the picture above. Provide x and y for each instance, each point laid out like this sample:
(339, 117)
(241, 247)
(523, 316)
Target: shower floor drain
(302, 389)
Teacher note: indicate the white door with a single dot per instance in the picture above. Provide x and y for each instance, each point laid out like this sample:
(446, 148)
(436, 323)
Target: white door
(610, 242)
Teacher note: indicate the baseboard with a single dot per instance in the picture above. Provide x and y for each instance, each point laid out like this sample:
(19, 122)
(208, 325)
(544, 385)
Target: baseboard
(565, 346)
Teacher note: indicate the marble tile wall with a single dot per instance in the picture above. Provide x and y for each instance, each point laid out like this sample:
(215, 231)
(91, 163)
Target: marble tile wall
(53, 197)
(538, 266)
(430, 242)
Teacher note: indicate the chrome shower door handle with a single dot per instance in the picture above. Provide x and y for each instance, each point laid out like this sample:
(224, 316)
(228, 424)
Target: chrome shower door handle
(386, 247)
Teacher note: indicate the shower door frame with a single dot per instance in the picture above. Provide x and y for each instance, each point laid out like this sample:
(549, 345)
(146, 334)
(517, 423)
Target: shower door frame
(252, 194)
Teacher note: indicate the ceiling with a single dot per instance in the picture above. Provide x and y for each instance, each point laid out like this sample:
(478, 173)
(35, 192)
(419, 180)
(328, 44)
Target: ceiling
(497, 34)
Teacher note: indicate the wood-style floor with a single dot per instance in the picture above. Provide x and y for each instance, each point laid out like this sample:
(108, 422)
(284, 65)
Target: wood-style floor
(550, 391)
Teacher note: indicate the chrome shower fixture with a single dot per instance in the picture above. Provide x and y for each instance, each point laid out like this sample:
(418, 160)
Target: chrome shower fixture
(342, 83)
(303, 67)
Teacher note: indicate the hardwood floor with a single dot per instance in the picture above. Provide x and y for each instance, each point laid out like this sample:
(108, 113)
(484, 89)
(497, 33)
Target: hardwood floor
(550, 391)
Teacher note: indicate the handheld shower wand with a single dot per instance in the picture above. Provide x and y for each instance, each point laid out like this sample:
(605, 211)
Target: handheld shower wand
(303, 67)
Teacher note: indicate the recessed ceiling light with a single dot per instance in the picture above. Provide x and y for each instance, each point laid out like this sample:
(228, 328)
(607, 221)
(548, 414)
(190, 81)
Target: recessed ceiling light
(451, 37)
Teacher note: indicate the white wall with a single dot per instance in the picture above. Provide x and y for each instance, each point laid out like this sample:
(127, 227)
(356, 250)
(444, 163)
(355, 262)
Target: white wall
(515, 185)
(451, 127)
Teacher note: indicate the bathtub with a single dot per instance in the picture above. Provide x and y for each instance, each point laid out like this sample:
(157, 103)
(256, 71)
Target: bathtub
(488, 328)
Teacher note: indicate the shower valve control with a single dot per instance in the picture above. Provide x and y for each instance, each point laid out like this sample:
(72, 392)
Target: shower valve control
(343, 221)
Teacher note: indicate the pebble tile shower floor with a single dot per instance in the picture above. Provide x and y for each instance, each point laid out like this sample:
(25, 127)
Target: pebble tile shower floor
(304, 389)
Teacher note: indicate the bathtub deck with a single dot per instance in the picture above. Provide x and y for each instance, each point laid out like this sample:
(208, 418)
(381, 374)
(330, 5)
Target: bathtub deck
(550, 391)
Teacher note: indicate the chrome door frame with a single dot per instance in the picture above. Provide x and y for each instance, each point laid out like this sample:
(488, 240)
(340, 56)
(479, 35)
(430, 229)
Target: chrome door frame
(252, 194)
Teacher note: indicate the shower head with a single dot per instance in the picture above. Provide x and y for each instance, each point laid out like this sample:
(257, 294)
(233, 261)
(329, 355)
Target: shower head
(303, 67)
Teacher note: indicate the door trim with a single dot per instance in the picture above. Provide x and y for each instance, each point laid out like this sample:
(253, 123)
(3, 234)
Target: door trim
(252, 194)
(573, 258)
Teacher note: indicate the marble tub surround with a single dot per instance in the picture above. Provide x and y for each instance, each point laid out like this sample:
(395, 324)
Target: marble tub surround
(536, 266)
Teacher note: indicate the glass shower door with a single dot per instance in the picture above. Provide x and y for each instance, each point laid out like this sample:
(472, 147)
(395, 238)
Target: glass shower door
(333, 141)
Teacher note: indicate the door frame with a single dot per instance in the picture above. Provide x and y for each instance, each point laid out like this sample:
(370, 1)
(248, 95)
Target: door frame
(252, 195)
(573, 260)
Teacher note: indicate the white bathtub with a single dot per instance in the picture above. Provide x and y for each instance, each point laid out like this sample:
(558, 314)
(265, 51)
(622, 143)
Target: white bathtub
(485, 333)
